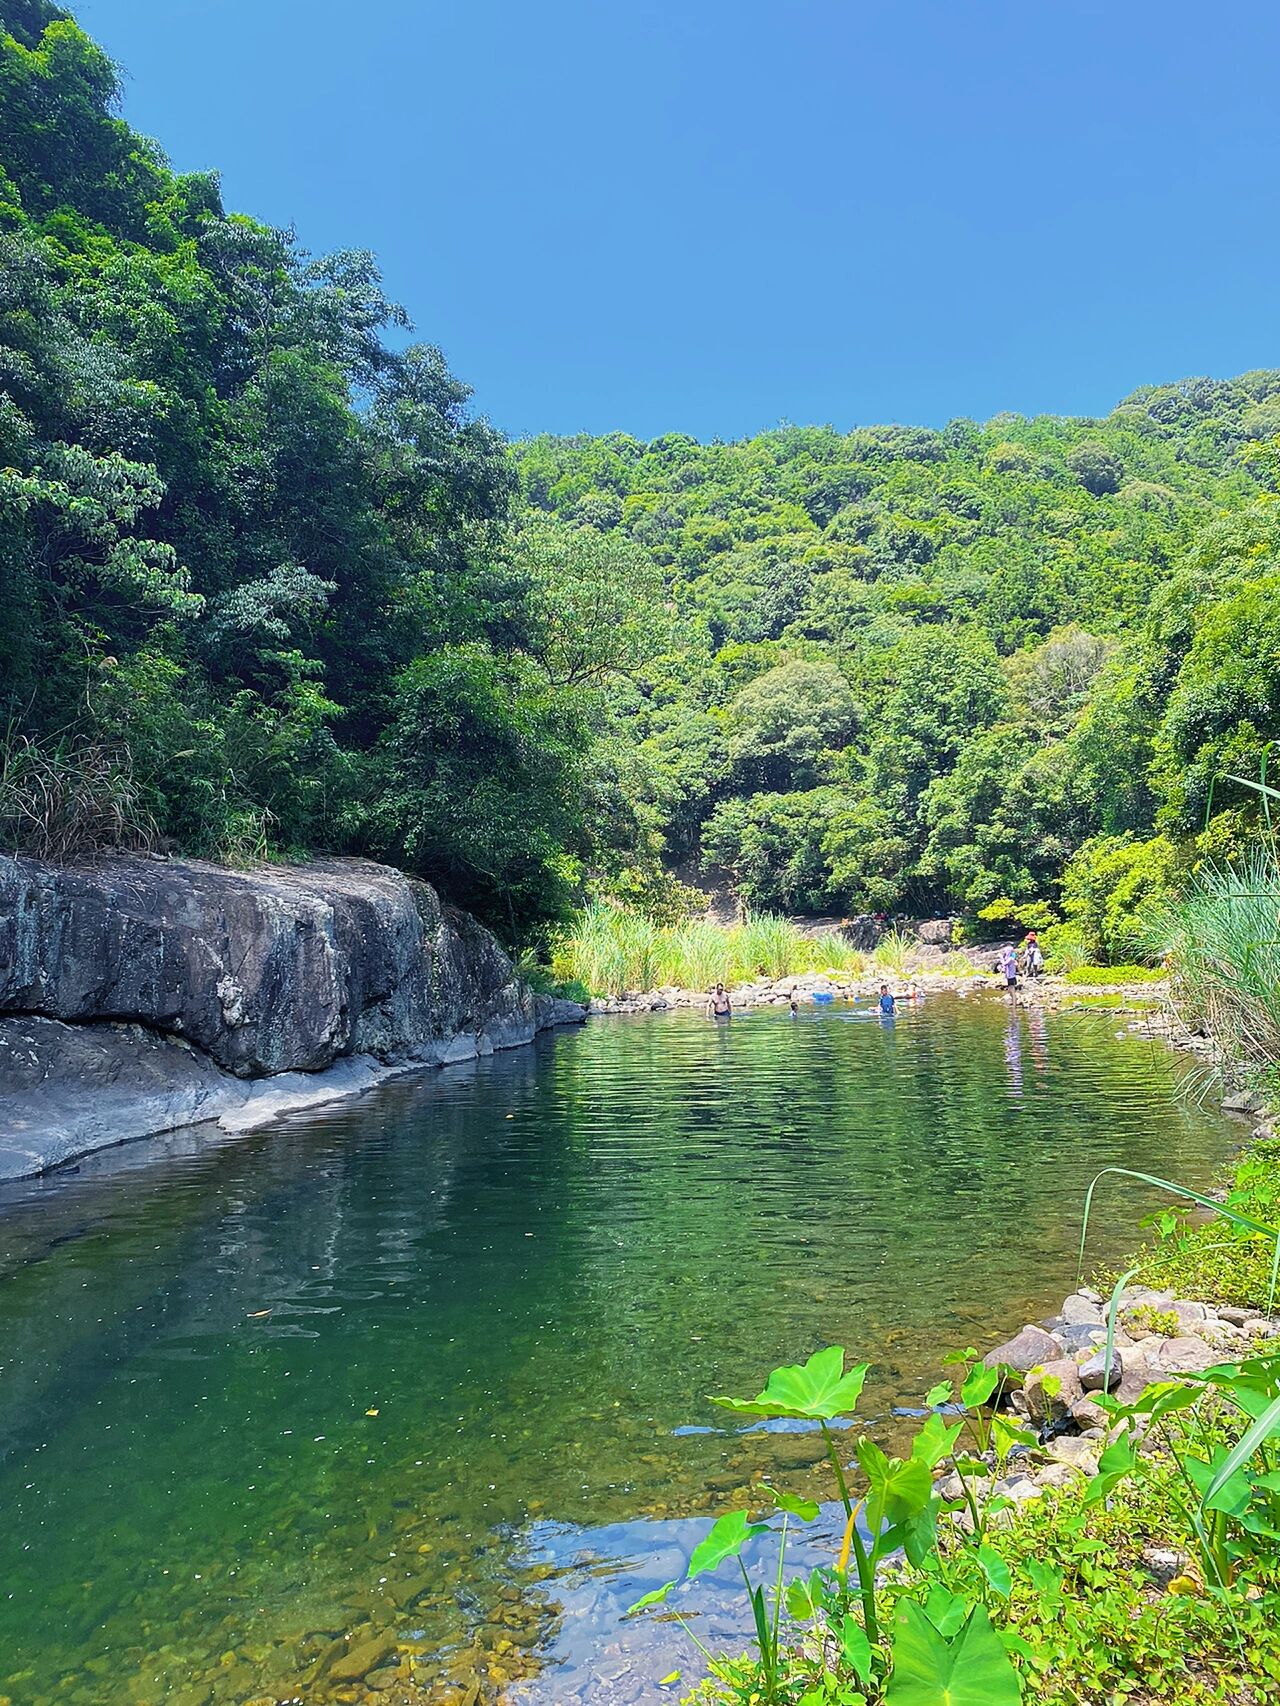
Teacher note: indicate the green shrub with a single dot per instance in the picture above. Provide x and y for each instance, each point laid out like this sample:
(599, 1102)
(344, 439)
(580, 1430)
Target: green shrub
(1018, 915)
(1064, 948)
(1110, 886)
(1111, 975)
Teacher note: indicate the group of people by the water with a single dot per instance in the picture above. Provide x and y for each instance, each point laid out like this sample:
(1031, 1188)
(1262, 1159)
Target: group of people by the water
(1027, 960)
(720, 1003)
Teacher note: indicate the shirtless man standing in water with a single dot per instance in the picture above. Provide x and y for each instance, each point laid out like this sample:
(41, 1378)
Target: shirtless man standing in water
(718, 1004)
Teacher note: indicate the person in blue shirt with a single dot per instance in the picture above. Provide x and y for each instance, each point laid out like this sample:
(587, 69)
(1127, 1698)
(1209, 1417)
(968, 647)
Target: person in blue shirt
(888, 1005)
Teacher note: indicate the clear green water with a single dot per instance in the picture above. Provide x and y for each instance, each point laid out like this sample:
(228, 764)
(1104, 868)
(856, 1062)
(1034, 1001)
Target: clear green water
(533, 1269)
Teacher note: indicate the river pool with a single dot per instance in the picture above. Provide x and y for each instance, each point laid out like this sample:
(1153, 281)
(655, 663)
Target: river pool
(431, 1367)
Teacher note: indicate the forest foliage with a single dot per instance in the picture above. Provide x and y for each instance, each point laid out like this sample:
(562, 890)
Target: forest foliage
(271, 587)
(264, 580)
(983, 668)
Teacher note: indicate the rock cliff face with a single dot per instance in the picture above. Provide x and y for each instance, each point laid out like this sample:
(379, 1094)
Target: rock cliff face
(139, 994)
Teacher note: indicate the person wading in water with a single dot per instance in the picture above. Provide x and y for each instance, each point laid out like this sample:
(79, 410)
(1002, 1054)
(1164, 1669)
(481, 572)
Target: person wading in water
(718, 1004)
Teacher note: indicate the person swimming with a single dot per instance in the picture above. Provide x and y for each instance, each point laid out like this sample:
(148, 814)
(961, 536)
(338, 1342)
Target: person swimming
(719, 1005)
(888, 1006)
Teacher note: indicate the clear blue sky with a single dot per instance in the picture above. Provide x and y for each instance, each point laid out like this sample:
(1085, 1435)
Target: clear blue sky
(711, 215)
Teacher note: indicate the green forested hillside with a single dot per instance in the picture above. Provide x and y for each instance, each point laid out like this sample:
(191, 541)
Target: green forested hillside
(269, 586)
(925, 669)
(260, 586)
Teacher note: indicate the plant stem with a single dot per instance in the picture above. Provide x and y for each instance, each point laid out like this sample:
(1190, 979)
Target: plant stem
(835, 1464)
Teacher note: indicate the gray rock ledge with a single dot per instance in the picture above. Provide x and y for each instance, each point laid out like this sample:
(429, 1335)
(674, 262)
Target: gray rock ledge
(138, 995)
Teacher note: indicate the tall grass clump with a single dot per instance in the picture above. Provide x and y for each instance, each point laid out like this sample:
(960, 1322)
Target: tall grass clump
(831, 952)
(610, 950)
(69, 798)
(1223, 934)
(694, 955)
(770, 944)
(616, 951)
(892, 952)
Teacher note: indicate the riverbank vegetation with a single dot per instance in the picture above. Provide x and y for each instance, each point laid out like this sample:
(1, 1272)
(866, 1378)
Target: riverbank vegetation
(1018, 668)
(1223, 933)
(616, 950)
(273, 588)
(1155, 1573)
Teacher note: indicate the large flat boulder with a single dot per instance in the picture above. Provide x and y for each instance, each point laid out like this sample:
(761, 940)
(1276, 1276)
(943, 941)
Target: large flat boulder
(278, 969)
(141, 994)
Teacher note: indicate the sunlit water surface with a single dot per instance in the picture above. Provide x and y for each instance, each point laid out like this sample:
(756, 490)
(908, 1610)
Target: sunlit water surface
(434, 1366)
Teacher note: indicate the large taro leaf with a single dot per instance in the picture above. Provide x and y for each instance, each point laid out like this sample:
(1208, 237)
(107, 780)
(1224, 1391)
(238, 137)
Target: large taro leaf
(973, 1669)
(935, 1440)
(815, 1391)
(728, 1535)
(896, 1490)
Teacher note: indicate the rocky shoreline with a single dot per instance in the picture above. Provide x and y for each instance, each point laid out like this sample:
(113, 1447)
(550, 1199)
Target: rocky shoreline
(821, 987)
(1059, 1368)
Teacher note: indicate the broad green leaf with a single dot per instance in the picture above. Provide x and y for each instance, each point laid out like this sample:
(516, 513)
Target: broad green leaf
(1231, 1496)
(1118, 1460)
(815, 1391)
(939, 1394)
(1006, 1432)
(1047, 1582)
(935, 1440)
(1262, 1429)
(802, 1598)
(928, 1670)
(896, 1489)
(1165, 1399)
(979, 1384)
(946, 1610)
(917, 1536)
(920, 1536)
(997, 1572)
(805, 1509)
(729, 1534)
(1015, 1643)
(855, 1648)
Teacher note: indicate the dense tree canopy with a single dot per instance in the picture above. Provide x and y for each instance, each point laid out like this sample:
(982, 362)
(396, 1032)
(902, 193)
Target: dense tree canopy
(256, 559)
(926, 669)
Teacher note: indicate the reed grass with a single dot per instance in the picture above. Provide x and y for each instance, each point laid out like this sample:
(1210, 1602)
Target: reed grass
(1223, 936)
(615, 951)
(69, 798)
(893, 951)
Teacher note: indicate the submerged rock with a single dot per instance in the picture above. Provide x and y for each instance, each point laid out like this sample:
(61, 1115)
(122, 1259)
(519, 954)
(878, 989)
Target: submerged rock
(359, 1660)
